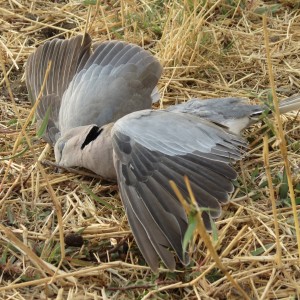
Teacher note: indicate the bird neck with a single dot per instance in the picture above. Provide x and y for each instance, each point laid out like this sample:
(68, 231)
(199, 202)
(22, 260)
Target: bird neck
(98, 155)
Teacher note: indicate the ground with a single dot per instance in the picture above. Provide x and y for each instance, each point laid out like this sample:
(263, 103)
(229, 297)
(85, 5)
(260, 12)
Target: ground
(208, 49)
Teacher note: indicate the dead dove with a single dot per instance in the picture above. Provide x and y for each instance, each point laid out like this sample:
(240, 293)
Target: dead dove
(98, 99)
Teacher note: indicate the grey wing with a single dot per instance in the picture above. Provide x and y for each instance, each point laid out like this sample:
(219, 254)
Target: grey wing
(67, 57)
(117, 79)
(234, 113)
(153, 147)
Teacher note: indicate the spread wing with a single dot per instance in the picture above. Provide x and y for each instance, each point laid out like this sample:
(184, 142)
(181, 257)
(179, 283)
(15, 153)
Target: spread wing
(118, 79)
(67, 57)
(153, 147)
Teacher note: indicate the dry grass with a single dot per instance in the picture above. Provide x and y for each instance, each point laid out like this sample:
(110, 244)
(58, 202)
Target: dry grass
(210, 50)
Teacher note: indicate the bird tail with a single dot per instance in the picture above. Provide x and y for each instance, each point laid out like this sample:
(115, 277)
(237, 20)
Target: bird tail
(290, 104)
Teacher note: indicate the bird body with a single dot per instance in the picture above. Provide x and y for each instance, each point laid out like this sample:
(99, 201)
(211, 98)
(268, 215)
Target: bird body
(101, 119)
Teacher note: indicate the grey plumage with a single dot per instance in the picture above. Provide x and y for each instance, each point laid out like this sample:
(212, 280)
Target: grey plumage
(102, 112)
(115, 69)
(102, 77)
(148, 159)
(234, 113)
(67, 58)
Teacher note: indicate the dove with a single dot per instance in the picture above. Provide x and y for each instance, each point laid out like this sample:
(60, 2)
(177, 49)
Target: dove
(98, 98)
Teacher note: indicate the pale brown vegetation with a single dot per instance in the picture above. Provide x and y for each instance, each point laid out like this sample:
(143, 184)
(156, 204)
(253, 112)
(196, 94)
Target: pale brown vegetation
(208, 50)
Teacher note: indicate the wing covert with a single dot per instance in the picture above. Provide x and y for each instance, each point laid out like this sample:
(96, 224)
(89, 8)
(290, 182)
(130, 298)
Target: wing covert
(117, 79)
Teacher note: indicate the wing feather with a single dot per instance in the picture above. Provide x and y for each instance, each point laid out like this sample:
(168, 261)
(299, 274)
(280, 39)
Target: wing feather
(66, 57)
(147, 158)
(85, 88)
(117, 79)
(140, 234)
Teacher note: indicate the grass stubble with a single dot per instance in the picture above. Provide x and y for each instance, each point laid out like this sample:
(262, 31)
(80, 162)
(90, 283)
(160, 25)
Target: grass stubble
(208, 49)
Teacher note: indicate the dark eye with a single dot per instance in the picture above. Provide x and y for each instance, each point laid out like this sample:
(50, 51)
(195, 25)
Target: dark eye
(91, 136)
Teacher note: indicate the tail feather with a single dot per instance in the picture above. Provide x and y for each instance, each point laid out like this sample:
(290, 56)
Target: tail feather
(289, 104)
